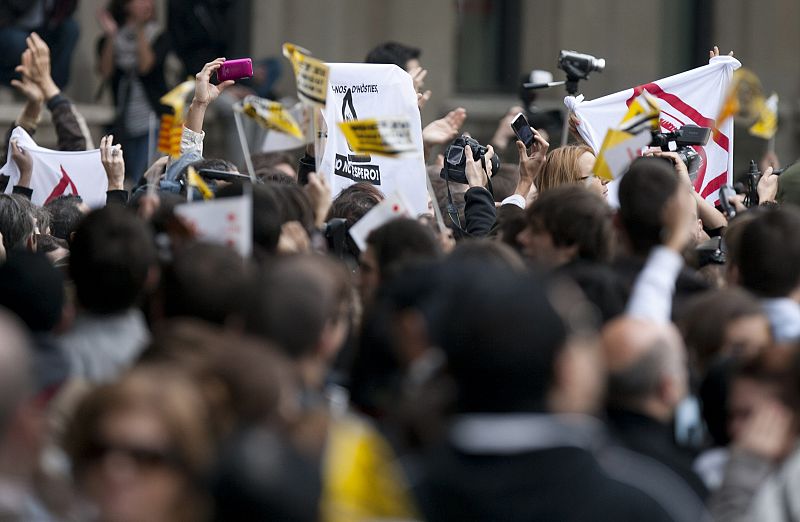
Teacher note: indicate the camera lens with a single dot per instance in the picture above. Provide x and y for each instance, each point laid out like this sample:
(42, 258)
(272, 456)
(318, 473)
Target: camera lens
(599, 64)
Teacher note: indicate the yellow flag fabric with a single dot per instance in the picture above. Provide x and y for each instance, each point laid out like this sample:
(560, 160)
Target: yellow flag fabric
(767, 124)
(171, 126)
(310, 73)
(272, 115)
(643, 111)
(196, 180)
(176, 98)
(386, 136)
(361, 480)
(622, 145)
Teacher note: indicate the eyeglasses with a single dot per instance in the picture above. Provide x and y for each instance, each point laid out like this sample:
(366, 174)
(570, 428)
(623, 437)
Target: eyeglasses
(145, 458)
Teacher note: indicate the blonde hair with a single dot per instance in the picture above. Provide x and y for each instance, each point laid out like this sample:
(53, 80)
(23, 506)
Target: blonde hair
(562, 167)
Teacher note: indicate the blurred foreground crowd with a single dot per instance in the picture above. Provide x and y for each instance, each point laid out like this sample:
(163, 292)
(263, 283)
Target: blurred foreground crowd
(544, 357)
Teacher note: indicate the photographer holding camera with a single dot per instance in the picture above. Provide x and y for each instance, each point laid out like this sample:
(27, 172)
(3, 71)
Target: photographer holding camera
(712, 220)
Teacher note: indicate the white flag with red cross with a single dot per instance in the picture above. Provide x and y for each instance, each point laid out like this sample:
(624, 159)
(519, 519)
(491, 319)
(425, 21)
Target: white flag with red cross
(690, 98)
(59, 173)
(225, 221)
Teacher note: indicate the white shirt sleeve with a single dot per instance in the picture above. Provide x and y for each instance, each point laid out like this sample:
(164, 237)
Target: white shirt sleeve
(192, 141)
(514, 199)
(652, 293)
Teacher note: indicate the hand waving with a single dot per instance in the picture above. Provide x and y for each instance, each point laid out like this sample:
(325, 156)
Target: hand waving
(443, 130)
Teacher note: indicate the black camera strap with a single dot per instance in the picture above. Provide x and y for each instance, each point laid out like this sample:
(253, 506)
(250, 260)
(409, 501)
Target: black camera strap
(452, 210)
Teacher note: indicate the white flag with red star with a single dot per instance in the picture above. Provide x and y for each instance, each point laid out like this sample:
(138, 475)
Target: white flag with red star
(226, 221)
(393, 207)
(59, 173)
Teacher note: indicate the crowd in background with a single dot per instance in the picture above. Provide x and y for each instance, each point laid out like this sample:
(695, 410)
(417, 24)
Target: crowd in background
(543, 357)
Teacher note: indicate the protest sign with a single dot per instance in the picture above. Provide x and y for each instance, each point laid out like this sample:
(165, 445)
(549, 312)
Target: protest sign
(387, 136)
(58, 173)
(226, 221)
(394, 206)
(271, 115)
(373, 92)
(310, 74)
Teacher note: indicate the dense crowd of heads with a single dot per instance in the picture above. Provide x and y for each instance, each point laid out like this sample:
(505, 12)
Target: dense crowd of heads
(535, 354)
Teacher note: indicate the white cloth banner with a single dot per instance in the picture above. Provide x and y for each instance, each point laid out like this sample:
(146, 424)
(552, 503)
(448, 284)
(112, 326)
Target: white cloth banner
(225, 221)
(358, 91)
(59, 173)
(690, 98)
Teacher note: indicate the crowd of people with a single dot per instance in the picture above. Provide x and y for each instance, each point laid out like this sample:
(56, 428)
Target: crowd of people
(543, 357)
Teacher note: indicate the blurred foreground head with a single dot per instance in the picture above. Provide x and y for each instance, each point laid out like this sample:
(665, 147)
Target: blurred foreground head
(502, 338)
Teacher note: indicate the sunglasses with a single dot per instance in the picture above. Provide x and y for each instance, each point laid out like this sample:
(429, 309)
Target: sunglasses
(145, 458)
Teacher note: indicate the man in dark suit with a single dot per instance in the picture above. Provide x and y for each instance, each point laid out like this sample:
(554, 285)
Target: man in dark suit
(647, 380)
(521, 447)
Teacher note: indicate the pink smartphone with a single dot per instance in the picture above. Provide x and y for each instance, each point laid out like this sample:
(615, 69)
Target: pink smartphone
(235, 69)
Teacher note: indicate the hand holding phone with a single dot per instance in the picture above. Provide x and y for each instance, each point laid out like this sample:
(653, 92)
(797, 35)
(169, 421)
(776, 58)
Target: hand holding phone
(235, 69)
(522, 129)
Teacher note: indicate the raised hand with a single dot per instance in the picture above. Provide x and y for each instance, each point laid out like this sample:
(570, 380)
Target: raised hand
(206, 92)
(40, 69)
(767, 186)
(678, 219)
(113, 162)
(319, 192)
(24, 164)
(504, 132)
(107, 22)
(27, 86)
(476, 176)
(531, 165)
(444, 129)
(713, 53)
(768, 432)
(418, 75)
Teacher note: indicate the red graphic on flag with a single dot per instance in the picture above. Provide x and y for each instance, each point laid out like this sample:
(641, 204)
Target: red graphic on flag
(396, 208)
(61, 187)
(690, 112)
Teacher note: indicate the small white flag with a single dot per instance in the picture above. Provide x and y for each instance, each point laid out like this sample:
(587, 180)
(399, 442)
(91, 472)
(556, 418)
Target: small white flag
(226, 221)
(393, 207)
(58, 173)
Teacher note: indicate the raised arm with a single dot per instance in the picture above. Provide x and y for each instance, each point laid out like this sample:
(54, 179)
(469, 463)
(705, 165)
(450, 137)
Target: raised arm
(68, 130)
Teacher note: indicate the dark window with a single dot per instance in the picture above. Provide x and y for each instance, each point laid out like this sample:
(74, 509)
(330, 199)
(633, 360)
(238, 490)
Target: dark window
(488, 45)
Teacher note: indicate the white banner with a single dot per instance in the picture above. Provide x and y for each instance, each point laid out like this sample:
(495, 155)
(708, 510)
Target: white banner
(365, 91)
(58, 173)
(690, 98)
(226, 221)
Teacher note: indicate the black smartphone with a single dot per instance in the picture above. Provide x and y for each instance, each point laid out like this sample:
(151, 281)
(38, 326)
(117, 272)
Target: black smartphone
(522, 129)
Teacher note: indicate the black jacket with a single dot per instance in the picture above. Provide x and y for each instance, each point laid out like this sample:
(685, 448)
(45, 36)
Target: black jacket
(654, 439)
(556, 484)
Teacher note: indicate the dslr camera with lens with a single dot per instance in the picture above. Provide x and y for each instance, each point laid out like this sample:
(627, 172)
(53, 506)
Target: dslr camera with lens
(455, 159)
(684, 139)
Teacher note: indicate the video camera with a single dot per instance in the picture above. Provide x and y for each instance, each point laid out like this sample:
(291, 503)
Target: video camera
(579, 65)
(684, 139)
(455, 159)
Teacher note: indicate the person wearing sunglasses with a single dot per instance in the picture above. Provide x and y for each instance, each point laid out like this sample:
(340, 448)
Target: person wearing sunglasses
(141, 447)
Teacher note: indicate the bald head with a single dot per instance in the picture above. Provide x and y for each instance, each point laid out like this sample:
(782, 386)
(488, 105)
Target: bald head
(15, 371)
(646, 365)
